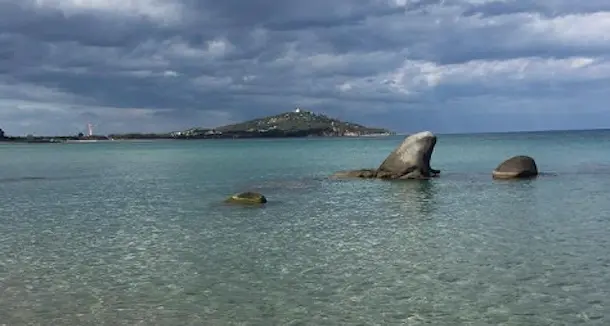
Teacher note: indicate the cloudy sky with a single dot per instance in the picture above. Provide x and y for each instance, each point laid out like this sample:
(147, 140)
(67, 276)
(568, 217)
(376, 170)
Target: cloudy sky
(408, 65)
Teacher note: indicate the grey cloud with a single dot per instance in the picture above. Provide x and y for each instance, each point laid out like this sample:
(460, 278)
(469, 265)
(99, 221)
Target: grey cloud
(53, 25)
(269, 56)
(293, 14)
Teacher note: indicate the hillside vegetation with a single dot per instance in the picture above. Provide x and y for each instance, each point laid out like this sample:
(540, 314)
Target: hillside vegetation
(297, 123)
(301, 123)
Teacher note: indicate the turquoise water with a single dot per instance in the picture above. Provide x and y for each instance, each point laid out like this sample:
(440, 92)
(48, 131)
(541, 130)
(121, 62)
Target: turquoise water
(135, 233)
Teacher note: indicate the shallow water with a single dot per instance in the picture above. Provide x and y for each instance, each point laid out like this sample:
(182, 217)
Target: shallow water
(136, 233)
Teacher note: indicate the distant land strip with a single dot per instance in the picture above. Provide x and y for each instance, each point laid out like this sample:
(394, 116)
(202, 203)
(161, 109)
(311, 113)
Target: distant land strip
(298, 123)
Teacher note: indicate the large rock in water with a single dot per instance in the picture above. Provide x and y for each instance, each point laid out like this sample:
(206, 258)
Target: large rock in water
(516, 167)
(410, 160)
(247, 198)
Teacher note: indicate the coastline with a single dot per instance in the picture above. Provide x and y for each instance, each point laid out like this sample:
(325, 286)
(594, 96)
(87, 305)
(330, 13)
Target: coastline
(120, 138)
(170, 137)
(297, 124)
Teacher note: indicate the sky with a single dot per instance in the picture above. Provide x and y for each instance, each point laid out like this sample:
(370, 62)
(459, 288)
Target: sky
(407, 65)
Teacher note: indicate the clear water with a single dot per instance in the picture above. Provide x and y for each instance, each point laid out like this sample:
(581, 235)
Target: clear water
(135, 233)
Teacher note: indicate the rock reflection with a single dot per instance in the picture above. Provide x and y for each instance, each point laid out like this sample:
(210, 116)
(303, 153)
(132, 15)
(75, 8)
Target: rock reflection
(592, 168)
(518, 200)
(294, 186)
(418, 199)
(21, 179)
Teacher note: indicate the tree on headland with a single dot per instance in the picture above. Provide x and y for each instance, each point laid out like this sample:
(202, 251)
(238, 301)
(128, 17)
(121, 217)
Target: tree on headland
(2, 134)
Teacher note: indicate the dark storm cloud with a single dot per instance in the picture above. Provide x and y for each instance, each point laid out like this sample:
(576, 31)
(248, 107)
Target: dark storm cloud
(173, 64)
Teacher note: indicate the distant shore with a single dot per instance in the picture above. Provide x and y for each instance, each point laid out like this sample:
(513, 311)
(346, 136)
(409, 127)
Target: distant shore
(151, 137)
(296, 124)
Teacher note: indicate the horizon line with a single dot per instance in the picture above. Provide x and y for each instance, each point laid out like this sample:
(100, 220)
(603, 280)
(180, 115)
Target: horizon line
(395, 133)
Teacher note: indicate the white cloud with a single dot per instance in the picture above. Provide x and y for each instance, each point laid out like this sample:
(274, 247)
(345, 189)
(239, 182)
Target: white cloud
(178, 49)
(414, 76)
(170, 73)
(308, 64)
(160, 10)
(205, 81)
(219, 48)
(149, 73)
(524, 69)
(12, 90)
(11, 107)
(576, 30)
(345, 87)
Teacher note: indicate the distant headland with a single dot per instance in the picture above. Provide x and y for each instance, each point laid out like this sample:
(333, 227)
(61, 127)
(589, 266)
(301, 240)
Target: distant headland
(297, 123)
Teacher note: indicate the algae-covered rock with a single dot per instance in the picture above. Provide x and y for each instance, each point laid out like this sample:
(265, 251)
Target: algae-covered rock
(247, 198)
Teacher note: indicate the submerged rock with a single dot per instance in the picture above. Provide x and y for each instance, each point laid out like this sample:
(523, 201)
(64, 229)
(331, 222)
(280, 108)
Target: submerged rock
(363, 173)
(410, 160)
(247, 198)
(516, 167)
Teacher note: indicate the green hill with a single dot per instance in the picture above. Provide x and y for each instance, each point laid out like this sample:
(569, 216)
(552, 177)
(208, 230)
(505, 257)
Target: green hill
(300, 123)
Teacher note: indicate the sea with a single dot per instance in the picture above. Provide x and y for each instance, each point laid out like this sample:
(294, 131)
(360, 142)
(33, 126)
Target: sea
(137, 233)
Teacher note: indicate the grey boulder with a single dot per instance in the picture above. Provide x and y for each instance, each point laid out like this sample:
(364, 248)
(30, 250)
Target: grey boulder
(410, 160)
(516, 167)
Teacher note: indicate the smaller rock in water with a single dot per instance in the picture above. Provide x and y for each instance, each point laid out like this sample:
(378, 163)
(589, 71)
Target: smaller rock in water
(247, 198)
(516, 167)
